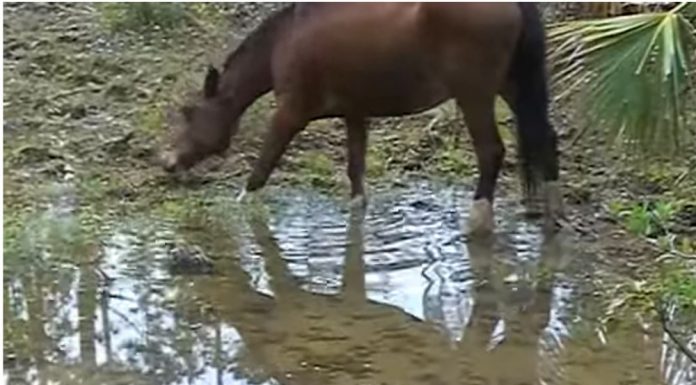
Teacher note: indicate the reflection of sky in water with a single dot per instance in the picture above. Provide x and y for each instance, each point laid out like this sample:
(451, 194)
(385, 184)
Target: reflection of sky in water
(415, 258)
(134, 327)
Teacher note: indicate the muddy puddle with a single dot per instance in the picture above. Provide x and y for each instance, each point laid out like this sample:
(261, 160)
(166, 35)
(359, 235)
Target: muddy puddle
(307, 293)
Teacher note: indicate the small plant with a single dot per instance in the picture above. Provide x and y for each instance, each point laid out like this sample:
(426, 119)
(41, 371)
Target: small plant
(453, 160)
(121, 17)
(631, 76)
(317, 169)
(647, 219)
(151, 120)
(376, 163)
(680, 287)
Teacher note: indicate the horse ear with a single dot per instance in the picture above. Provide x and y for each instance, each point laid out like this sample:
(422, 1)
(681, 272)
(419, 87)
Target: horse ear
(211, 82)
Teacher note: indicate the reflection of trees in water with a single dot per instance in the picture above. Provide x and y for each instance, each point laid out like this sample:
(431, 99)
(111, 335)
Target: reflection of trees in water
(180, 342)
(74, 326)
(146, 326)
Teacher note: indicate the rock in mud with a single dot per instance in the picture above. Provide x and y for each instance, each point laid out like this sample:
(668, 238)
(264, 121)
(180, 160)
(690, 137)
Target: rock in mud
(188, 260)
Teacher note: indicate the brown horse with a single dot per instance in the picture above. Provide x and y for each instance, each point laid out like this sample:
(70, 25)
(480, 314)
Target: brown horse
(361, 60)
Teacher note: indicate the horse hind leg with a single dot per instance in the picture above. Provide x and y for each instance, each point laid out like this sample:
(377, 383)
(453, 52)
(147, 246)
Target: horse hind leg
(531, 116)
(532, 200)
(479, 116)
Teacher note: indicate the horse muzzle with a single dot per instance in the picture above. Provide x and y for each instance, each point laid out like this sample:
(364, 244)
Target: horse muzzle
(169, 162)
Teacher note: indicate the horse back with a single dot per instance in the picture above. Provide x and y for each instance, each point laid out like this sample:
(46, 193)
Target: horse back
(394, 57)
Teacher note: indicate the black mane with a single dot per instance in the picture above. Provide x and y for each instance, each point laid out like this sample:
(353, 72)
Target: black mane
(260, 35)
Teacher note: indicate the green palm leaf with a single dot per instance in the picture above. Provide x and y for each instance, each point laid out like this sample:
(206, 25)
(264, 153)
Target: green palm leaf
(630, 76)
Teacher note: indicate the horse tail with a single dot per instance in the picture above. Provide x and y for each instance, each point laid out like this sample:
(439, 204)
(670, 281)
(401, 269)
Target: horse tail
(530, 100)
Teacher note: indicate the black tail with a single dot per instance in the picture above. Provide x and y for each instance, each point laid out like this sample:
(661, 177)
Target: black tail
(537, 139)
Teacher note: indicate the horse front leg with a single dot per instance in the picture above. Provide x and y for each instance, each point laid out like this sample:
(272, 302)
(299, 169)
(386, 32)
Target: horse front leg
(285, 125)
(479, 116)
(357, 147)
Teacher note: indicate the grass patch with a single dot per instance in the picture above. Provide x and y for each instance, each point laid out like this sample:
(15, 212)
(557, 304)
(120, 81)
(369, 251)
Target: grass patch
(142, 17)
(680, 286)
(180, 208)
(453, 160)
(645, 218)
(151, 120)
(316, 169)
(376, 162)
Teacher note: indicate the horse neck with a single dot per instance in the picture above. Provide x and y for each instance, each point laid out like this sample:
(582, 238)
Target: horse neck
(246, 77)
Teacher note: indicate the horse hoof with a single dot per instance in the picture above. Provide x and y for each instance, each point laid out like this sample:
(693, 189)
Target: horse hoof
(249, 197)
(358, 202)
(241, 196)
(481, 218)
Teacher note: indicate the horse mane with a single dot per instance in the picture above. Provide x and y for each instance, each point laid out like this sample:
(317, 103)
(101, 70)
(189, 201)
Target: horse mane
(261, 35)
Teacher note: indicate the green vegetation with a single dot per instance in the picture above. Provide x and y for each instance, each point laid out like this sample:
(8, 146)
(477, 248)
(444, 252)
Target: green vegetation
(377, 164)
(317, 169)
(632, 76)
(628, 82)
(645, 219)
(143, 16)
(453, 160)
(152, 17)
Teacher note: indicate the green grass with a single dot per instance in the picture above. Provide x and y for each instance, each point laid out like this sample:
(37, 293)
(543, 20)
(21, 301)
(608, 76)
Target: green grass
(645, 218)
(377, 163)
(315, 168)
(679, 285)
(139, 17)
(453, 160)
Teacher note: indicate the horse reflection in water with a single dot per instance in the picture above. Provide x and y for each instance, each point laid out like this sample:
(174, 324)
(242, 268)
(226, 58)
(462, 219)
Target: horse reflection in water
(307, 338)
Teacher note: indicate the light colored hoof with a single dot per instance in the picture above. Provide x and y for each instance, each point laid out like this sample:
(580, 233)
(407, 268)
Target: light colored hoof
(241, 196)
(358, 202)
(250, 197)
(481, 218)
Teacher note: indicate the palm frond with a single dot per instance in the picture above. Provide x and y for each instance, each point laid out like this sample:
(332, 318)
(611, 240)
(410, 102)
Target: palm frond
(630, 76)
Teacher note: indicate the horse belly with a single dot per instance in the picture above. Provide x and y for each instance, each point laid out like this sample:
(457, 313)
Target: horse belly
(400, 87)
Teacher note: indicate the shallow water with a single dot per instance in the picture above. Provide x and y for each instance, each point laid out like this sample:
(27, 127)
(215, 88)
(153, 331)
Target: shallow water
(308, 293)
